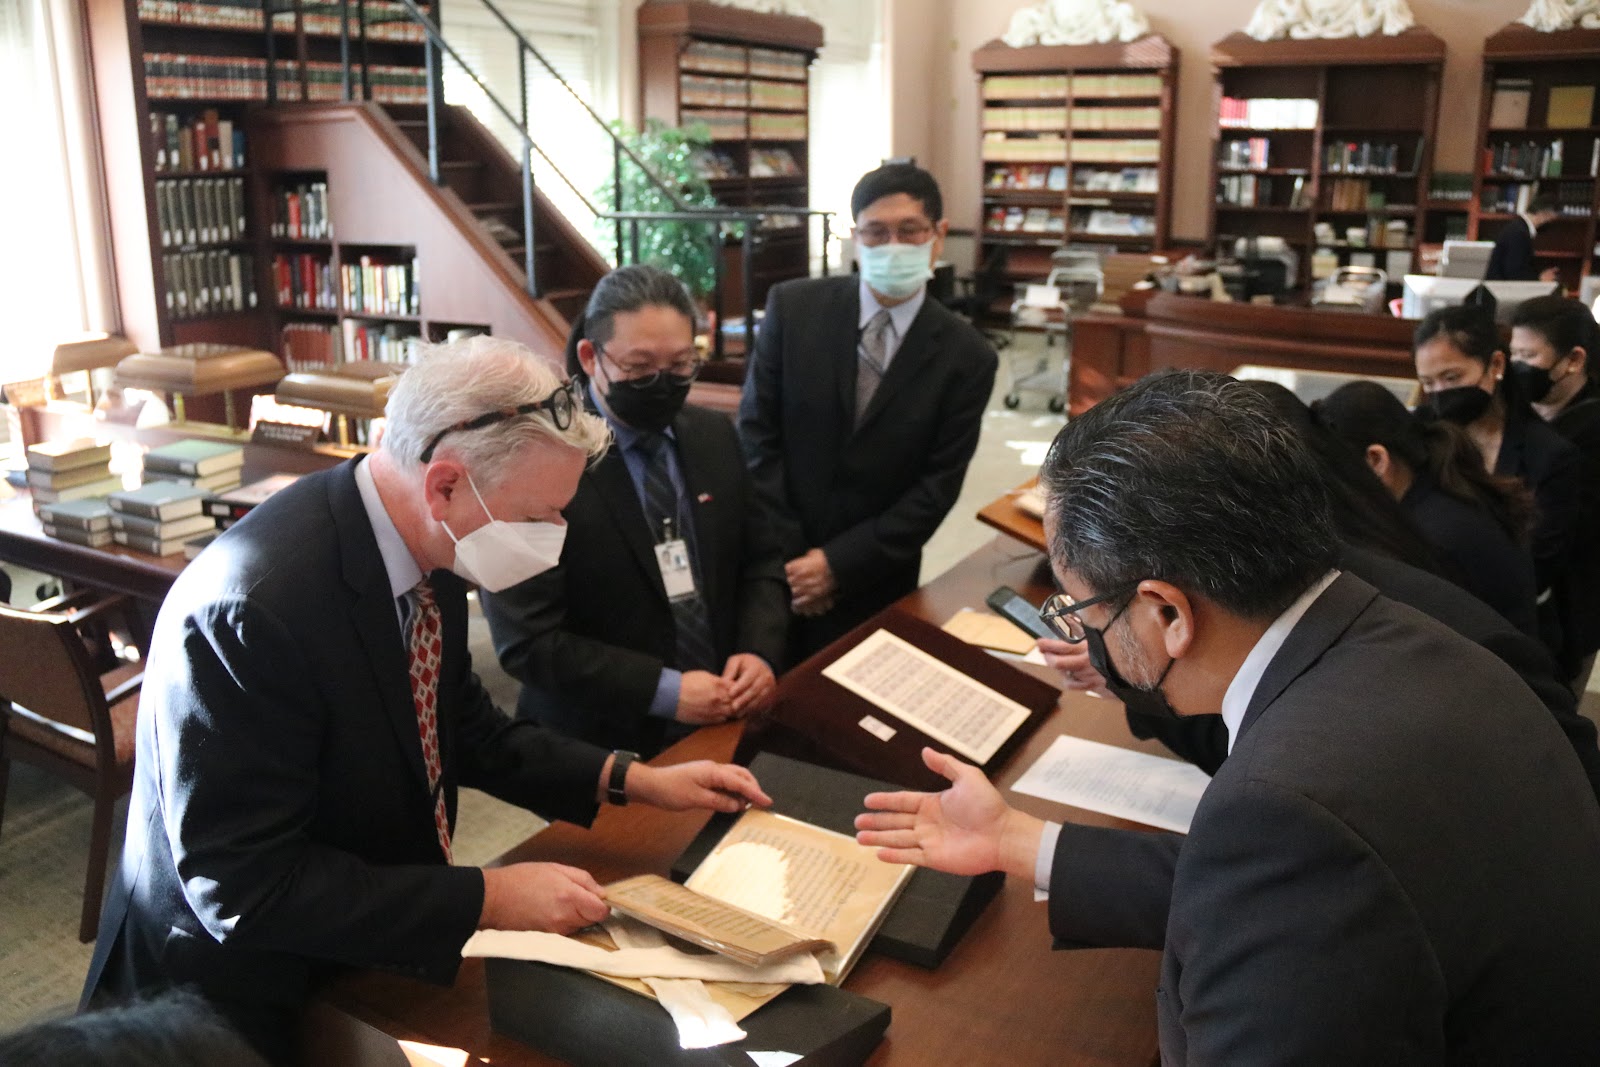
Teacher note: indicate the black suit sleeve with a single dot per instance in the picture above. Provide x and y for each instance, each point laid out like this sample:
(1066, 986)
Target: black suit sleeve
(896, 535)
(1111, 888)
(1558, 492)
(763, 596)
(761, 429)
(239, 750)
(534, 645)
(1260, 982)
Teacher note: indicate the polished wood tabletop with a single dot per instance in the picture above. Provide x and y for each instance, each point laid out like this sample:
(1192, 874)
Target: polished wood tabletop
(1002, 996)
(1003, 514)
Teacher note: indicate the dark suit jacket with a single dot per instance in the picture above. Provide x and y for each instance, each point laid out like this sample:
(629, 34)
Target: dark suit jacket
(1579, 423)
(1490, 565)
(280, 820)
(589, 638)
(1549, 465)
(1397, 864)
(1203, 739)
(870, 497)
(1511, 259)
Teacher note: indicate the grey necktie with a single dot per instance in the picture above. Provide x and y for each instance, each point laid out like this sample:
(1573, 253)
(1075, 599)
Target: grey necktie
(872, 361)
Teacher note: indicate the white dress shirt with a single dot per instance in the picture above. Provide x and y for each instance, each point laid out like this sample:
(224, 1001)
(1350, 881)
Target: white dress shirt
(398, 564)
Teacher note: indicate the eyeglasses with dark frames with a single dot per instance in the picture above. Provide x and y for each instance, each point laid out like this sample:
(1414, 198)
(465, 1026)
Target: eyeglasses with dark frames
(560, 406)
(1060, 612)
(686, 368)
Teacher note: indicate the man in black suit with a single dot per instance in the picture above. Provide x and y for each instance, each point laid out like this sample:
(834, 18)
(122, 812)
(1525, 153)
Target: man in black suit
(861, 409)
(310, 709)
(603, 650)
(1398, 861)
(1511, 259)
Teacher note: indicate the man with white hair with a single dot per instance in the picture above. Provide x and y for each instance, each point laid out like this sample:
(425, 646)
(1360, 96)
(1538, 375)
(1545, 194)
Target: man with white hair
(310, 710)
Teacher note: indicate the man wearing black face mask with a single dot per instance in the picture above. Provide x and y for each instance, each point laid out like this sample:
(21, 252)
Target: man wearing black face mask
(669, 608)
(1399, 859)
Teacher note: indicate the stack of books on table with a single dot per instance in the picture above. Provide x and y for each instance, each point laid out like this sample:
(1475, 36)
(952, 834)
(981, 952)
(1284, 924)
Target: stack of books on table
(70, 470)
(83, 522)
(210, 465)
(229, 507)
(158, 517)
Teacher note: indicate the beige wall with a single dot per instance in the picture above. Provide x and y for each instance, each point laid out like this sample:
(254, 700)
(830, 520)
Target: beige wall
(929, 46)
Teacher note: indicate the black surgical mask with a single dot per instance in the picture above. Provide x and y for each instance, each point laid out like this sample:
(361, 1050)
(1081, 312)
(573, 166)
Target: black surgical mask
(1145, 701)
(1462, 405)
(648, 407)
(1534, 381)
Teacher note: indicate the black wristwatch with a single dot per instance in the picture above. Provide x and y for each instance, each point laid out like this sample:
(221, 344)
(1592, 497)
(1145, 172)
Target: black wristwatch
(616, 786)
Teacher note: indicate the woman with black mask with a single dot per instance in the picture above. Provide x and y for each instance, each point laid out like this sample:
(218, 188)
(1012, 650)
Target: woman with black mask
(1479, 522)
(1554, 343)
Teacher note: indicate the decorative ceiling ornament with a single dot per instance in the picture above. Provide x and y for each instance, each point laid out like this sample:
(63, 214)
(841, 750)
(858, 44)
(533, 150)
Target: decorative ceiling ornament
(1307, 19)
(1549, 16)
(769, 7)
(1075, 22)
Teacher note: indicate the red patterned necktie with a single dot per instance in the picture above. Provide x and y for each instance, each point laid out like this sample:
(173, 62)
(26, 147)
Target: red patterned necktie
(426, 646)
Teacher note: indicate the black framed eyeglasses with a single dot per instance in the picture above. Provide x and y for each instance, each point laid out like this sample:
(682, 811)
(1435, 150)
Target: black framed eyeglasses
(685, 368)
(874, 234)
(560, 406)
(1060, 612)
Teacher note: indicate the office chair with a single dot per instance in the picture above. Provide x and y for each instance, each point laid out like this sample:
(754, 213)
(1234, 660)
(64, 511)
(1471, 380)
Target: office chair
(976, 295)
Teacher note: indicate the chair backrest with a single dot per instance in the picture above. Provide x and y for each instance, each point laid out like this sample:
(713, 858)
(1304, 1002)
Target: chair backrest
(45, 668)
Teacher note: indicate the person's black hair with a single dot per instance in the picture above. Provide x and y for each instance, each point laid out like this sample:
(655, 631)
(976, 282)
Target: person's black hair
(625, 289)
(1365, 513)
(1361, 414)
(892, 178)
(1190, 478)
(1564, 323)
(176, 1029)
(1544, 204)
(1472, 331)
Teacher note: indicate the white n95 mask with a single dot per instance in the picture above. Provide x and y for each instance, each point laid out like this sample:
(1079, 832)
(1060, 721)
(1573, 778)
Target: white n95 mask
(499, 554)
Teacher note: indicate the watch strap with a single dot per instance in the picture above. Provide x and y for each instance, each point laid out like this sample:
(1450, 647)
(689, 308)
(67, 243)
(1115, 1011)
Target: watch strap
(616, 784)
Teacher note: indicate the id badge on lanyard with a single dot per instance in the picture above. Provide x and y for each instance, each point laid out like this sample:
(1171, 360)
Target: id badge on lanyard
(672, 556)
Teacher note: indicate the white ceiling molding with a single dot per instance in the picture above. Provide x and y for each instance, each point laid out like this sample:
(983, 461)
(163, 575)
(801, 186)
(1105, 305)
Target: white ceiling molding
(1307, 19)
(1052, 22)
(1549, 16)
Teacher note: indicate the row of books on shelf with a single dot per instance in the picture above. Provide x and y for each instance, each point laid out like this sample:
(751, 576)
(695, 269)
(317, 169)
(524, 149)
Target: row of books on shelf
(386, 20)
(303, 281)
(720, 125)
(300, 213)
(1268, 113)
(773, 163)
(779, 96)
(713, 58)
(1252, 153)
(998, 148)
(778, 63)
(1113, 150)
(777, 127)
(208, 283)
(1566, 106)
(1450, 186)
(710, 163)
(193, 211)
(1026, 220)
(1061, 86)
(1103, 222)
(208, 142)
(181, 76)
(1573, 199)
(1370, 157)
(1126, 180)
(317, 346)
(1353, 194)
(1538, 159)
(696, 90)
(375, 287)
(1257, 190)
(1031, 119)
(1028, 179)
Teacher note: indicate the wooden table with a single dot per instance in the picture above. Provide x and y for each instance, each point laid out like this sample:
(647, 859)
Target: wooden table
(1003, 514)
(1003, 996)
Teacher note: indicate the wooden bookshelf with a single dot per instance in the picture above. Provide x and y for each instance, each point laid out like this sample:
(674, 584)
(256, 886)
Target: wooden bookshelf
(1076, 148)
(177, 86)
(1539, 130)
(1333, 132)
(746, 76)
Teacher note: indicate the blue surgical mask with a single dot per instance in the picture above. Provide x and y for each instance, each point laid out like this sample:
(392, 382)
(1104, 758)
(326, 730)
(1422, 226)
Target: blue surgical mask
(896, 270)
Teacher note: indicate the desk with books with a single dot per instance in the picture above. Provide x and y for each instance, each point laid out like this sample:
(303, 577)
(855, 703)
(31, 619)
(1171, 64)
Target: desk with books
(1001, 996)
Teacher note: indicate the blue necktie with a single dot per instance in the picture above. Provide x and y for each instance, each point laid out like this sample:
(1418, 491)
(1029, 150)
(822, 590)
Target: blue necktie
(695, 648)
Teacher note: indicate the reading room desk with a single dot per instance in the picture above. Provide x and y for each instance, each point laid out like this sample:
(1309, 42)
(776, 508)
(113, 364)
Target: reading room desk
(1001, 997)
(1004, 515)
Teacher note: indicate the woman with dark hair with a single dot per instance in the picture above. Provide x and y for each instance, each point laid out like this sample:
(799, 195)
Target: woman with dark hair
(1479, 522)
(1552, 339)
(1461, 366)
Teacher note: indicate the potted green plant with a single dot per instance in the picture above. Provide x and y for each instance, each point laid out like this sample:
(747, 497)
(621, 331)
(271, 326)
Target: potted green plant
(686, 249)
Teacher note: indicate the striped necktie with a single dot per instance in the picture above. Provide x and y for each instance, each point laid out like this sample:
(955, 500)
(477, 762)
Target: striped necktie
(872, 360)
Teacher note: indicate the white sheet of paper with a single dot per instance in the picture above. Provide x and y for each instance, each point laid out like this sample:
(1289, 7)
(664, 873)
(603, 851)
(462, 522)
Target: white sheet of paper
(937, 699)
(1115, 781)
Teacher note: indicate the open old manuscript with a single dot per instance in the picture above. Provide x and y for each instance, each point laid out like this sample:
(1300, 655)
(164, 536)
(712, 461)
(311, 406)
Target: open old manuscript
(772, 887)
